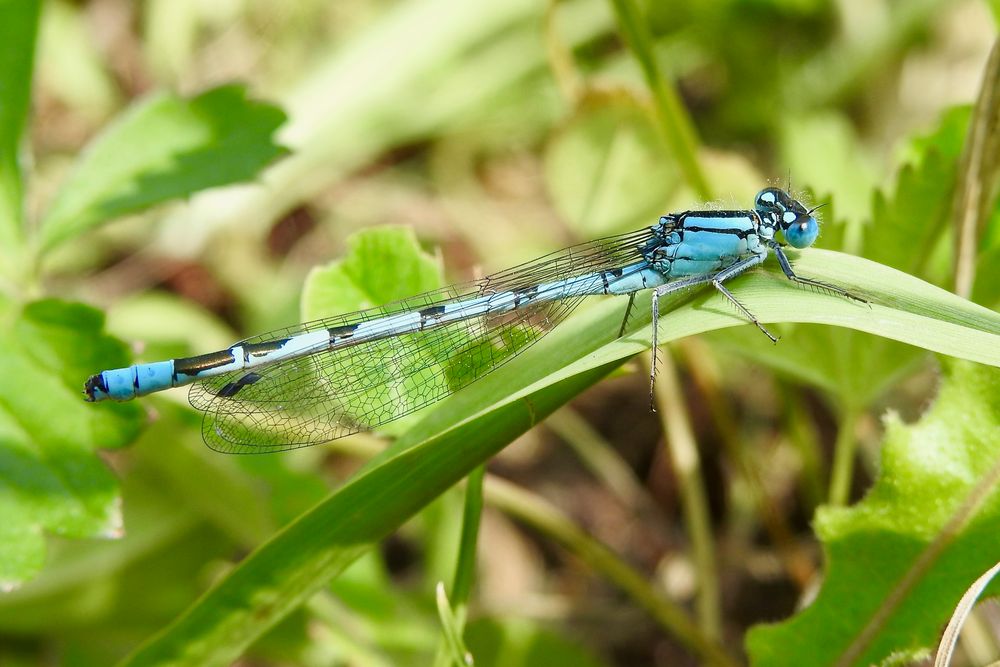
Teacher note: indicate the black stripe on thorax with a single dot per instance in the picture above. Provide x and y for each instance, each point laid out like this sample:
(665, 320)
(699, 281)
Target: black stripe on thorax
(741, 233)
(718, 214)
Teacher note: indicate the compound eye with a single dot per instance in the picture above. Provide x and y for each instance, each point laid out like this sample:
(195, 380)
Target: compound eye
(802, 233)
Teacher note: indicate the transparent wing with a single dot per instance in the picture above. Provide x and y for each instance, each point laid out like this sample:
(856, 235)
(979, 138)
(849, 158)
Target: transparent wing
(333, 393)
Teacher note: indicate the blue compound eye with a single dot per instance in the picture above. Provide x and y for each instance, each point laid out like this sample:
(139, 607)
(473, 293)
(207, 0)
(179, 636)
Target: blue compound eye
(802, 233)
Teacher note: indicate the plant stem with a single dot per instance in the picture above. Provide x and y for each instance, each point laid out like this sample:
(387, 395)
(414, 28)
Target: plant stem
(843, 457)
(672, 119)
(683, 452)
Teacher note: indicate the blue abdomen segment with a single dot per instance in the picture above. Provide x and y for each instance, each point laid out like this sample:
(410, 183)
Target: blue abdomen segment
(122, 384)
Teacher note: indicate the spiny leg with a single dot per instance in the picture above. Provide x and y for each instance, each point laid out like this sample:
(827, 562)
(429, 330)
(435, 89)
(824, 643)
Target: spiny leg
(732, 271)
(628, 311)
(743, 310)
(786, 268)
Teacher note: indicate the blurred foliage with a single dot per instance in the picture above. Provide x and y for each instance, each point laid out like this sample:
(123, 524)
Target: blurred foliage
(495, 132)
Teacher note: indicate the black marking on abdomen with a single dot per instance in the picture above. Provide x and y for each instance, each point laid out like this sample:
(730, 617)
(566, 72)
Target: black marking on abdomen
(430, 314)
(345, 331)
(519, 294)
(230, 389)
(192, 366)
(252, 349)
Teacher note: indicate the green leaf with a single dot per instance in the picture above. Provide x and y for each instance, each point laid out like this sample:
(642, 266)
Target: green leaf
(468, 428)
(50, 478)
(18, 30)
(855, 369)
(164, 148)
(898, 561)
(907, 224)
(363, 279)
(591, 168)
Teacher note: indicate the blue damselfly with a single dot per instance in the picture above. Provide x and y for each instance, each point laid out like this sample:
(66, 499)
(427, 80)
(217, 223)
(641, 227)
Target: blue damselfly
(333, 377)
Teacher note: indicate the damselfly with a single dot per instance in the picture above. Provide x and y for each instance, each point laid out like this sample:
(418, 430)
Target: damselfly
(330, 378)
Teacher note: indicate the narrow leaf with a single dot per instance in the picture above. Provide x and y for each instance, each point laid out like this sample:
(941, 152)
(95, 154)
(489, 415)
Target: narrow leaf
(18, 30)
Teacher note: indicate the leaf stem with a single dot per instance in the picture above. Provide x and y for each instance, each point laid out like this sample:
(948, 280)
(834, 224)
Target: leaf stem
(843, 457)
(978, 176)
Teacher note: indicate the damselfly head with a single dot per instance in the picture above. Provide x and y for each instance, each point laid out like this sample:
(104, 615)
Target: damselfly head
(788, 214)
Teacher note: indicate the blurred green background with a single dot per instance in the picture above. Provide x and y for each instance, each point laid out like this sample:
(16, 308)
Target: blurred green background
(496, 131)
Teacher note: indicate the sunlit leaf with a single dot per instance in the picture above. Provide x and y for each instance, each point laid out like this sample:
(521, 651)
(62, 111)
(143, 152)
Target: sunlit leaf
(899, 560)
(381, 265)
